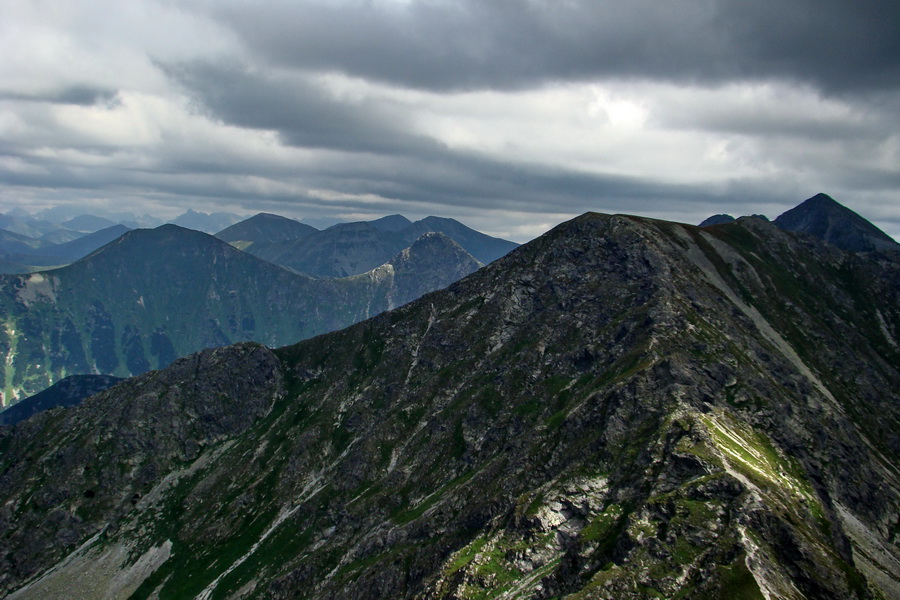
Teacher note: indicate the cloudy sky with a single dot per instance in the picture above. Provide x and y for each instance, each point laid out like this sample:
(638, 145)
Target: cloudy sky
(510, 115)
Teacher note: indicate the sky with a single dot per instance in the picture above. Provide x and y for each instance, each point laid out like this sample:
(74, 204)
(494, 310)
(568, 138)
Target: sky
(509, 115)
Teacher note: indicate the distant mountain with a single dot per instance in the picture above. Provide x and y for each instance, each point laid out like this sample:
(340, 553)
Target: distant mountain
(352, 248)
(720, 219)
(340, 251)
(264, 228)
(87, 223)
(68, 252)
(154, 295)
(828, 220)
(207, 223)
(26, 225)
(63, 213)
(321, 222)
(622, 408)
(61, 236)
(66, 392)
(433, 262)
(10, 264)
(483, 247)
(391, 223)
(14, 243)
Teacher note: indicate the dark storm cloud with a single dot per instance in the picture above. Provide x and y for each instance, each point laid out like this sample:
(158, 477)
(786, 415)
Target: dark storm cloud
(835, 45)
(302, 113)
(380, 156)
(78, 95)
(513, 112)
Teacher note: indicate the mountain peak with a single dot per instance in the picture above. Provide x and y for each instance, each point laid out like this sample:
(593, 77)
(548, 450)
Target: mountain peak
(391, 223)
(829, 220)
(821, 199)
(265, 228)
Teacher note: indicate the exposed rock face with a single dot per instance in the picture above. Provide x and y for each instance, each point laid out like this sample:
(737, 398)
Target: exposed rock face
(822, 217)
(433, 262)
(623, 408)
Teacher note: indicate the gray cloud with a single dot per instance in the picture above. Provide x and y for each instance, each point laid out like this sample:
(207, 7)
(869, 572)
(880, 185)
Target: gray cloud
(832, 44)
(77, 95)
(302, 113)
(508, 114)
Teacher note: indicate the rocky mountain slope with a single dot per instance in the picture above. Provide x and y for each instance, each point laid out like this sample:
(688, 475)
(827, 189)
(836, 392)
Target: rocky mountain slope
(352, 248)
(826, 219)
(623, 408)
(155, 295)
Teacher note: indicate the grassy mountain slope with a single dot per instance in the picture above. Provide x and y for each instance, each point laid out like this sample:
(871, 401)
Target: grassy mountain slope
(154, 295)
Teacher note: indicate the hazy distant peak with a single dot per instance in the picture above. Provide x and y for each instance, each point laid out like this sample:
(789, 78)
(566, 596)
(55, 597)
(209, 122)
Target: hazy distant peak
(207, 223)
(265, 228)
(391, 223)
(17, 212)
(87, 223)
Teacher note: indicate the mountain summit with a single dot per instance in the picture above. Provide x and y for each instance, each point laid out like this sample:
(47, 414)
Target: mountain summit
(622, 408)
(828, 220)
(264, 228)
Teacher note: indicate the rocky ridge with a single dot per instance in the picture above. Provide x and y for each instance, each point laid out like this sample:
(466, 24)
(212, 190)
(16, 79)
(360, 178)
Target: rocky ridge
(623, 408)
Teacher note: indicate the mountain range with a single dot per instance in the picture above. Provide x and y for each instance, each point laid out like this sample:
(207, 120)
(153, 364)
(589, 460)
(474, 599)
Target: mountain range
(154, 295)
(828, 220)
(622, 408)
(349, 249)
(30, 244)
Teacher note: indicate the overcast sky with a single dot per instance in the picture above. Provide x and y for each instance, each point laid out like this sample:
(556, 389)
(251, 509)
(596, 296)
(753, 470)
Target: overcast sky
(509, 115)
